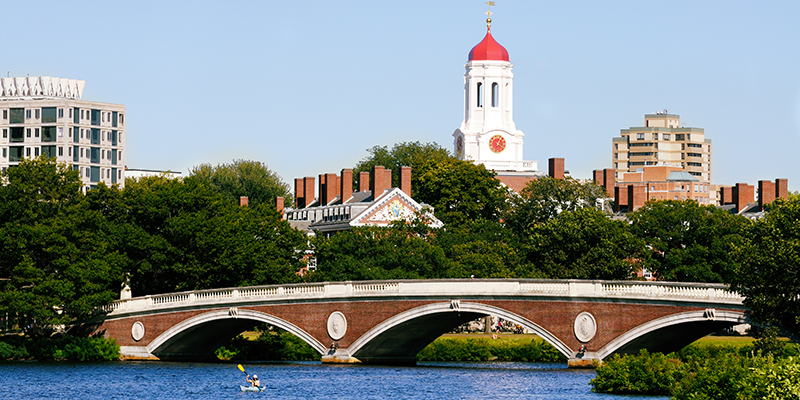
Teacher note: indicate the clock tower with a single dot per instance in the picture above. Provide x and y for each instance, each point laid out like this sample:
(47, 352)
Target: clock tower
(488, 135)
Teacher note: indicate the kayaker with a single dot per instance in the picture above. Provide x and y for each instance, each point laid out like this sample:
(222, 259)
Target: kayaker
(254, 382)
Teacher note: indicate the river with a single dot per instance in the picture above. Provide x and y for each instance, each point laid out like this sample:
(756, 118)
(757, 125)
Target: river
(168, 380)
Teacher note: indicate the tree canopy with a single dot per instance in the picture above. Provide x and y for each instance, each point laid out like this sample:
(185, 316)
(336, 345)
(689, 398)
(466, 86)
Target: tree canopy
(244, 178)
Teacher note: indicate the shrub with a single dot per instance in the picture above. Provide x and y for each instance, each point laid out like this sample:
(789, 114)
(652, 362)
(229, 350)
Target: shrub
(645, 373)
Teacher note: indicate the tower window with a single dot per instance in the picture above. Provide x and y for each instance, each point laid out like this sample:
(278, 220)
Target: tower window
(480, 94)
(495, 94)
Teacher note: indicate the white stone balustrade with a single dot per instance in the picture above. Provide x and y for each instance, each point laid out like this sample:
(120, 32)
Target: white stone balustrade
(451, 289)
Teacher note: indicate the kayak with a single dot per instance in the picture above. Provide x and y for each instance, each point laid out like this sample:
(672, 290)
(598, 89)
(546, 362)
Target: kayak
(250, 389)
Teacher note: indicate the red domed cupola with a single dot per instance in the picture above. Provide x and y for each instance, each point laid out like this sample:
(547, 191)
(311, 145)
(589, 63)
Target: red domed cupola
(488, 49)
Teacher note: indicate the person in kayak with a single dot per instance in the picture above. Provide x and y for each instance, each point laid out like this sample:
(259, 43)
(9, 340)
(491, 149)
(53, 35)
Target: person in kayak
(254, 382)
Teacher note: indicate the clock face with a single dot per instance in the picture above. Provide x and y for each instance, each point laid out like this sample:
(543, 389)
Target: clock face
(497, 143)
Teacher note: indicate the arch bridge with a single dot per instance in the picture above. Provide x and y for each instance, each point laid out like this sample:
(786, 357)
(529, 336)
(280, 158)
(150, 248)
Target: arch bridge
(389, 322)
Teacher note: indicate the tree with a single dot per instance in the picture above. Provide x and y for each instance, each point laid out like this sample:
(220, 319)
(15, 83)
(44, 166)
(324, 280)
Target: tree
(479, 248)
(375, 253)
(185, 236)
(404, 154)
(460, 191)
(244, 178)
(544, 198)
(689, 242)
(768, 272)
(57, 266)
(582, 244)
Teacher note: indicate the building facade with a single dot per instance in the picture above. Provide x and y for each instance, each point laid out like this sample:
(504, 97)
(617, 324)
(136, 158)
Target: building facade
(658, 183)
(45, 116)
(662, 141)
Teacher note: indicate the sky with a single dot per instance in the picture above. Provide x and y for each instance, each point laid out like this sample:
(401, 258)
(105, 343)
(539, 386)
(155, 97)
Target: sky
(306, 87)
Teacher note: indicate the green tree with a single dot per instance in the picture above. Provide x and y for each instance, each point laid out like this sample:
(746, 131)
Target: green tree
(690, 242)
(768, 272)
(544, 198)
(57, 265)
(375, 253)
(244, 178)
(460, 191)
(403, 154)
(479, 248)
(185, 236)
(582, 244)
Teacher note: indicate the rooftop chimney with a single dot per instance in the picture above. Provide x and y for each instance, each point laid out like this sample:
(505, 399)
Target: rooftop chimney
(405, 180)
(346, 184)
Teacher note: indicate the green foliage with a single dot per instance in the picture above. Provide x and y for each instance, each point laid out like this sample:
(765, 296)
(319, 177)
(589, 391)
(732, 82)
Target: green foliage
(645, 373)
(470, 349)
(271, 345)
(480, 249)
(690, 242)
(181, 235)
(404, 154)
(57, 265)
(767, 342)
(377, 253)
(60, 348)
(543, 199)
(769, 267)
(459, 191)
(244, 178)
(582, 244)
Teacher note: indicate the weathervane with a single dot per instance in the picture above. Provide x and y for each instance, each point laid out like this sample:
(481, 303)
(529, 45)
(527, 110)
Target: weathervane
(489, 5)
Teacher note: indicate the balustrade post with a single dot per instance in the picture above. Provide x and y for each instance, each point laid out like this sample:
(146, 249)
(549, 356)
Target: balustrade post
(235, 293)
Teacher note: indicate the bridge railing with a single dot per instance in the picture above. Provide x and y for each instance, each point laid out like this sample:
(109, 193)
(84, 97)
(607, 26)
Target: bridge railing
(454, 289)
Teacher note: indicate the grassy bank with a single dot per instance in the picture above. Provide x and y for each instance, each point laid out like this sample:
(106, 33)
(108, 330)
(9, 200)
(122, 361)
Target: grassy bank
(487, 347)
(58, 348)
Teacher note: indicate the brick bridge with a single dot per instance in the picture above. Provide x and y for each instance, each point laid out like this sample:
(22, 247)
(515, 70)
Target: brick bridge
(391, 321)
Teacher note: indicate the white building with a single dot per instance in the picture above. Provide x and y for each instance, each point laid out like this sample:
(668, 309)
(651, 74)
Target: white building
(46, 116)
(488, 134)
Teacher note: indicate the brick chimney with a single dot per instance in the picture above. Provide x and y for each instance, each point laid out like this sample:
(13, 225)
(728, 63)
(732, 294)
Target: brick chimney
(279, 205)
(782, 189)
(308, 187)
(299, 193)
(346, 184)
(637, 196)
(405, 180)
(621, 198)
(766, 193)
(555, 168)
(363, 181)
(597, 177)
(243, 201)
(609, 181)
(742, 195)
(726, 194)
(379, 182)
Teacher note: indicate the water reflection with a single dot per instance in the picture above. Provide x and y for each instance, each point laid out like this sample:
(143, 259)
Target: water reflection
(163, 380)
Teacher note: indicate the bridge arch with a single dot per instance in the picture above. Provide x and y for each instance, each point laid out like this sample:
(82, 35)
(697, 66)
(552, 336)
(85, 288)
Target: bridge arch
(672, 332)
(391, 340)
(198, 337)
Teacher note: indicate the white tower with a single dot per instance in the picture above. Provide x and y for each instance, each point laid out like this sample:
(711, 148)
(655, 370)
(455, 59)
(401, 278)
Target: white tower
(488, 135)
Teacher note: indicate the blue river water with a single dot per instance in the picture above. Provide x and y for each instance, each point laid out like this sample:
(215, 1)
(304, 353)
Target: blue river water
(166, 380)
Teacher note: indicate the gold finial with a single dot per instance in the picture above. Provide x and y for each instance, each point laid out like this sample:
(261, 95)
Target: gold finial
(489, 5)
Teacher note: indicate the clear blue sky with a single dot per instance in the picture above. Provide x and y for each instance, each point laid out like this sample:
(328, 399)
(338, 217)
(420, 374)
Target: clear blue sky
(307, 86)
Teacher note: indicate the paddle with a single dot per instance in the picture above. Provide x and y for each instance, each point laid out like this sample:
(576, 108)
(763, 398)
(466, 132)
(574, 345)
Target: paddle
(241, 368)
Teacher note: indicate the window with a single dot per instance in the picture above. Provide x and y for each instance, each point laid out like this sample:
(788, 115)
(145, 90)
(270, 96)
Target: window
(666, 136)
(60, 113)
(95, 136)
(36, 132)
(28, 132)
(75, 153)
(5, 150)
(114, 119)
(113, 138)
(5, 116)
(17, 135)
(113, 175)
(49, 151)
(95, 156)
(495, 94)
(655, 136)
(121, 120)
(95, 174)
(640, 136)
(480, 94)
(37, 113)
(77, 116)
(5, 133)
(16, 116)
(113, 157)
(679, 136)
(15, 153)
(95, 117)
(48, 134)
(60, 151)
(48, 115)
(27, 152)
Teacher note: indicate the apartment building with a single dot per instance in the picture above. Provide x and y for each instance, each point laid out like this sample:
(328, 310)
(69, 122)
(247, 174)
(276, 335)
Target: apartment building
(662, 141)
(45, 116)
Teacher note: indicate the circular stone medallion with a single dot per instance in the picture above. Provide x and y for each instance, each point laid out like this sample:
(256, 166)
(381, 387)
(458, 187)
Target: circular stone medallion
(137, 331)
(337, 325)
(585, 327)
